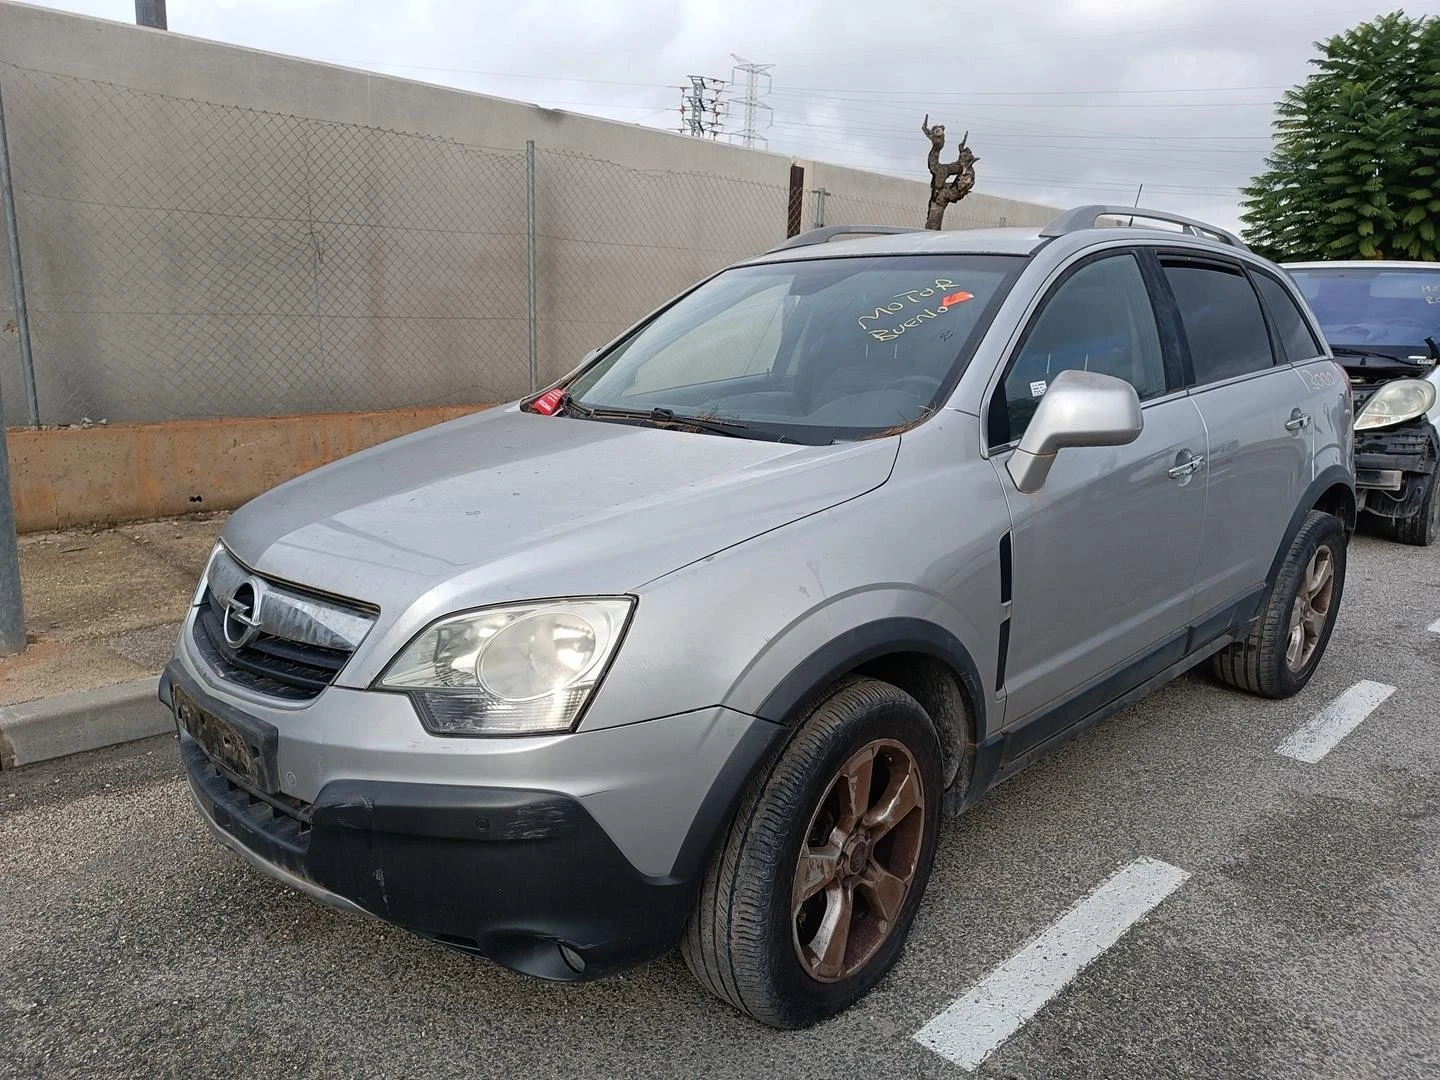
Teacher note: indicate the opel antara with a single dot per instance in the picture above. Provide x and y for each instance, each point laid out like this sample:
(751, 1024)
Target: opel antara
(700, 644)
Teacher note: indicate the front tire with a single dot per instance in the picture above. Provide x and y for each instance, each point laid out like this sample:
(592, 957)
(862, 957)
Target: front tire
(1421, 527)
(1285, 645)
(809, 900)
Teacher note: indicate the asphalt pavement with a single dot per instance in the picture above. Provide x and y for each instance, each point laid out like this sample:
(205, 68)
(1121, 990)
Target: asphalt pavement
(1304, 942)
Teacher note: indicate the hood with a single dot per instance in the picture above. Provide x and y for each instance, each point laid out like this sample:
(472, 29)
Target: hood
(508, 505)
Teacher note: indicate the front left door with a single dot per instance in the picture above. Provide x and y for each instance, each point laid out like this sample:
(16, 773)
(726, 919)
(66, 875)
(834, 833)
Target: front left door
(1104, 554)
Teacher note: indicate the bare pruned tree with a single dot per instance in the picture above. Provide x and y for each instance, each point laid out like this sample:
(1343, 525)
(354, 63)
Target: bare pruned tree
(949, 181)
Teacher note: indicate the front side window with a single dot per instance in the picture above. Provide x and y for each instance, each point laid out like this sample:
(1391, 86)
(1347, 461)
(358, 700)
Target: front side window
(1295, 334)
(1221, 316)
(1389, 308)
(1098, 319)
(810, 351)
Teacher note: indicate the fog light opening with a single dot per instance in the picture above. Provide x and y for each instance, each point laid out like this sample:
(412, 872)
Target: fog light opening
(573, 960)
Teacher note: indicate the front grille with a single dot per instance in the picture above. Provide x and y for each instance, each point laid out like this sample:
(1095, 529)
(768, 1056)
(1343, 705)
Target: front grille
(271, 665)
(1408, 439)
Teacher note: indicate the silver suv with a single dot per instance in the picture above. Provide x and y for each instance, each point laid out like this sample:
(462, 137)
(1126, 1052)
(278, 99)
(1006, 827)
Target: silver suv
(700, 644)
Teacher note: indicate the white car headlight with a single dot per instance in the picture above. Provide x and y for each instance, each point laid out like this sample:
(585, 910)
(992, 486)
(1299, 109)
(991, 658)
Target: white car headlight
(522, 669)
(1396, 402)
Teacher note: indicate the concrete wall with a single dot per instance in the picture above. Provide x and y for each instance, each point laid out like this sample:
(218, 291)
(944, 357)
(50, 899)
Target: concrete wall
(66, 477)
(216, 231)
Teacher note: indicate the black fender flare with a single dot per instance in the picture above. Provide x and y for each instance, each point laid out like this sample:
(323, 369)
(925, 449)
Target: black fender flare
(1334, 476)
(842, 654)
(869, 641)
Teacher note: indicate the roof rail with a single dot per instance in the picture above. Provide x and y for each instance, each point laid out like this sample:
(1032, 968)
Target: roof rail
(1084, 217)
(827, 233)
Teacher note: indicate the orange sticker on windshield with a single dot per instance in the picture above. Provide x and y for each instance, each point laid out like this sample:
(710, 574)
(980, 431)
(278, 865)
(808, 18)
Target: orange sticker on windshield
(956, 298)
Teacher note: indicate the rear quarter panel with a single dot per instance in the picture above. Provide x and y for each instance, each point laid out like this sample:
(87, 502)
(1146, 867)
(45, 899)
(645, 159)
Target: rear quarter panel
(1332, 419)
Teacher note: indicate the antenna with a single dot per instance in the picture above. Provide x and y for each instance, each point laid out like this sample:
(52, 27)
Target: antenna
(758, 115)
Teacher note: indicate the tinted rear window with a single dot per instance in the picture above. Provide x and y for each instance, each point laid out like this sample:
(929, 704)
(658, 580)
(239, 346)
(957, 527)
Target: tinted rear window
(1290, 325)
(1222, 321)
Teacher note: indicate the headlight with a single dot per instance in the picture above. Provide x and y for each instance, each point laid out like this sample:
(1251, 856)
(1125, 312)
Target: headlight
(524, 669)
(1396, 402)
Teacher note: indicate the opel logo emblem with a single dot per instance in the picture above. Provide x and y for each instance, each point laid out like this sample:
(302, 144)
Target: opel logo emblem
(242, 614)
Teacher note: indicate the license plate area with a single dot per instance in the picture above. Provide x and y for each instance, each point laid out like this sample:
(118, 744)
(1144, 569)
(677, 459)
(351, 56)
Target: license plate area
(241, 745)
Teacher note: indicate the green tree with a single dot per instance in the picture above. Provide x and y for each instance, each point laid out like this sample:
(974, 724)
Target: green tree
(1353, 173)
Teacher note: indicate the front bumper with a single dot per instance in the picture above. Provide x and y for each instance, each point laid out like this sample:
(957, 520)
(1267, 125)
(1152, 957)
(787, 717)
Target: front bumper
(512, 873)
(1393, 466)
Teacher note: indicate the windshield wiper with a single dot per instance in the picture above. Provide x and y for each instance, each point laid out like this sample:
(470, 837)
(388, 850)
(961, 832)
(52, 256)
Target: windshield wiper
(1434, 349)
(569, 405)
(736, 429)
(1347, 350)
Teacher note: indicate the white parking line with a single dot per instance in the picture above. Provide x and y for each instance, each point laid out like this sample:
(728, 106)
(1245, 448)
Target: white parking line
(973, 1027)
(1332, 723)
(1434, 627)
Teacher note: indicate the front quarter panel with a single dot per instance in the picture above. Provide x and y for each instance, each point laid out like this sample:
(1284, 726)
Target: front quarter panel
(730, 629)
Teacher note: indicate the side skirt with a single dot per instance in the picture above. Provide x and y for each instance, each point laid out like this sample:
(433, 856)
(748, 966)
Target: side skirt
(1008, 752)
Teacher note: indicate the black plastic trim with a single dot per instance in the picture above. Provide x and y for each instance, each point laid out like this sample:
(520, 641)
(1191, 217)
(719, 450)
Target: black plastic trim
(1334, 476)
(1092, 698)
(750, 756)
(1223, 619)
(868, 642)
(1002, 655)
(1178, 371)
(1113, 690)
(505, 873)
(1007, 570)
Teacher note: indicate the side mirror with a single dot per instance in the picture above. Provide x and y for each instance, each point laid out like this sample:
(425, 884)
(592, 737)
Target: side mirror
(1080, 408)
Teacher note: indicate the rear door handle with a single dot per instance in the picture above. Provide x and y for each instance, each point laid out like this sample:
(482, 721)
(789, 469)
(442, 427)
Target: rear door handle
(1297, 421)
(1186, 468)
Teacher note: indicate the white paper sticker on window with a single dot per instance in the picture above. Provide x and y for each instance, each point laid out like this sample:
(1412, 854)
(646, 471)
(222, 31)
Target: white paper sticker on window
(1037, 389)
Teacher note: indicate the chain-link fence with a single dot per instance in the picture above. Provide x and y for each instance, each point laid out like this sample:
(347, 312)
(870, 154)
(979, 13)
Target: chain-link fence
(188, 259)
(825, 207)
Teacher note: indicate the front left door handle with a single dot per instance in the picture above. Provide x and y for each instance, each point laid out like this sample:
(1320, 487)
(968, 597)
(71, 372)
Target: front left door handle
(1298, 421)
(1187, 467)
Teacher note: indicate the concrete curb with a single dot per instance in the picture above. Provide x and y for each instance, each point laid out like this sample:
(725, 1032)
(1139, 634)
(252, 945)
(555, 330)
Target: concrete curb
(66, 724)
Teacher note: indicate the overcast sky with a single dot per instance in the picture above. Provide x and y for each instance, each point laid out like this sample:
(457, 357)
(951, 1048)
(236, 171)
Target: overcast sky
(1066, 101)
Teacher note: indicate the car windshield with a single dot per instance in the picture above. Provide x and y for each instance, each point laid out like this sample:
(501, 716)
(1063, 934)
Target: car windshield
(1389, 308)
(810, 351)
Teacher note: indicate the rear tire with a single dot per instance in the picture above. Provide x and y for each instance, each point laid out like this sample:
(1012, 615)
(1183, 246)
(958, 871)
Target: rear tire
(808, 902)
(1285, 645)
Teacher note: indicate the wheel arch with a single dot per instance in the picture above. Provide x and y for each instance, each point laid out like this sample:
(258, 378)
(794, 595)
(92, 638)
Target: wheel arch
(922, 658)
(1332, 492)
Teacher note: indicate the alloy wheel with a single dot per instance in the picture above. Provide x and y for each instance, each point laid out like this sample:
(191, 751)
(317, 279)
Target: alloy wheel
(858, 861)
(1311, 610)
